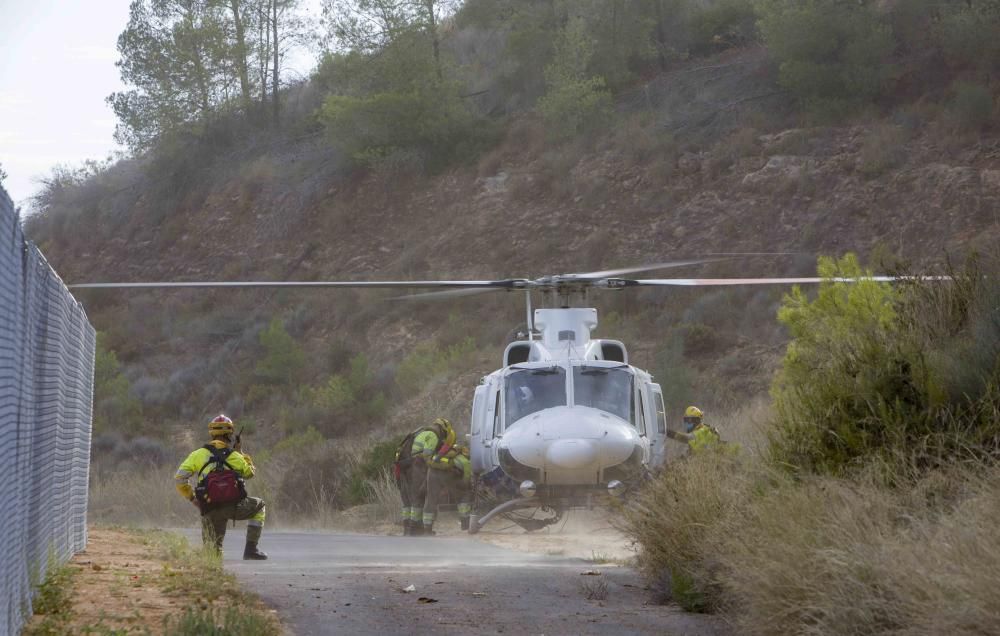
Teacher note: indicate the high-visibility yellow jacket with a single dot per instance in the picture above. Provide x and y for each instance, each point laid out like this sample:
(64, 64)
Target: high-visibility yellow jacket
(454, 458)
(463, 462)
(424, 444)
(196, 461)
(702, 437)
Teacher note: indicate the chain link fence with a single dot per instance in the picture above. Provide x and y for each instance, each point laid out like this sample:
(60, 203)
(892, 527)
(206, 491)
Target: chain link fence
(46, 395)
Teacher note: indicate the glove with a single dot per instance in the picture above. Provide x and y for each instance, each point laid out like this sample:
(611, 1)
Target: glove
(440, 463)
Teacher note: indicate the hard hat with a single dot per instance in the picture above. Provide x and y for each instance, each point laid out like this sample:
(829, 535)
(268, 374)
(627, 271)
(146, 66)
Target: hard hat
(692, 418)
(693, 411)
(220, 426)
(447, 431)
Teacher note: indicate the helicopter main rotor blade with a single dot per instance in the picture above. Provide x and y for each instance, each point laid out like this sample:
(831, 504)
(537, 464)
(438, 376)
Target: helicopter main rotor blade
(449, 293)
(611, 273)
(379, 284)
(720, 282)
(756, 253)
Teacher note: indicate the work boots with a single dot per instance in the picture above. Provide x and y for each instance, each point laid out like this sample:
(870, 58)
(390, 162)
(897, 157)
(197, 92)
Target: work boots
(465, 523)
(427, 530)
(251, 553)
(409, 528)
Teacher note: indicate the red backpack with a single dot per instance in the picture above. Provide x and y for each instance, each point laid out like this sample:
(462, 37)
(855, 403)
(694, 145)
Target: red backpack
(222, 484)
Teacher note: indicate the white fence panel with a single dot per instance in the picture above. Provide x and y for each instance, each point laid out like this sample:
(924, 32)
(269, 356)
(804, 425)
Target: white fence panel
(46, 404)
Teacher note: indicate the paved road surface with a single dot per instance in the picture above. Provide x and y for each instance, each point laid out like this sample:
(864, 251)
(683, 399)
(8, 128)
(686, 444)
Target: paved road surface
(324, 583)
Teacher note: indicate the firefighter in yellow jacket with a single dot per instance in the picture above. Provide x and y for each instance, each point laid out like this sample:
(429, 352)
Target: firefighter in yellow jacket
(219, 469)
(410, 469)
(448, 470)
(697, 434)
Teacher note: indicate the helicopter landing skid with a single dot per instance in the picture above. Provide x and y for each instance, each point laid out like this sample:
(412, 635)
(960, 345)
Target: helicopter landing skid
(531, 524)
(504, 510)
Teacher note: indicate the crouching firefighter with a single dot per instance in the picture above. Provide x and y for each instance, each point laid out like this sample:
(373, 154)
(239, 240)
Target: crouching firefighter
(410, 469)
(220, 469)
(448, 471)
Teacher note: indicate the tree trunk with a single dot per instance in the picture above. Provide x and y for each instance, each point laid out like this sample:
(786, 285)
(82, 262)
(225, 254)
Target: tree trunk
(660, 44)
(241, 56)
(200, 73)
(433, 32)
(264, 54)
(275, 67)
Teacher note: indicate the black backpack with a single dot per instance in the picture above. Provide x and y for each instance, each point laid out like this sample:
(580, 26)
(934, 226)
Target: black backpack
(222, 484)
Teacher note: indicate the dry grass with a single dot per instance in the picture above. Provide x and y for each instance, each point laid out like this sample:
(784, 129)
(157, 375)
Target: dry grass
(825, 555)
(309, 499)
(145, 498)
(595, 588)
(833, 556)
(146, 582)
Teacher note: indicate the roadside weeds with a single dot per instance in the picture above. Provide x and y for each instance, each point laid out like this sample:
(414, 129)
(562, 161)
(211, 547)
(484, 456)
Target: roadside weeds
(146, 582)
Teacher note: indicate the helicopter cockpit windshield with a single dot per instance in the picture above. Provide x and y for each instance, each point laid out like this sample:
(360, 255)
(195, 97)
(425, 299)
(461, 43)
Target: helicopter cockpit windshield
(531, 390)
(604, 388)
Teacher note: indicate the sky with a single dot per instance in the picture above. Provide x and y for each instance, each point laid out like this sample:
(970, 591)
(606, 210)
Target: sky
(57, 65)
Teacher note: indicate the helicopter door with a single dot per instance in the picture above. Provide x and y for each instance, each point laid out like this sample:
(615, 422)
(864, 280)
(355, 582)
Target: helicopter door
(642, 420)
(658, 433)
(480, 430)
(492, 427)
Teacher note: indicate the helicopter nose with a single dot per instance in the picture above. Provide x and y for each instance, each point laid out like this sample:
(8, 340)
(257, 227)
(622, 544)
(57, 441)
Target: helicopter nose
(571, 453)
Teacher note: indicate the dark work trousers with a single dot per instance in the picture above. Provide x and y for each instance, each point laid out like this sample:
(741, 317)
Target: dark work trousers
(213, 522)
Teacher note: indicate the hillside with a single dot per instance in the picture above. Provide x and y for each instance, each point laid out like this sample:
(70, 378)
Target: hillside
(639, 193)
(711, 154)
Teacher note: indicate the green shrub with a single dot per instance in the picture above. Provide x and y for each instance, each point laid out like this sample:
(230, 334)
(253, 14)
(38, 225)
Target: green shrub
(428, 361)
(429, 119)
(972, 107)
(875, 371)
(574, 102)
(54, 593)
(674, 375)
(378, 459)
(966, 34)
(722, 25)
(115, 408)
(833, 55)
(395, 103)
(298, 442)
(348, 395)
(283, 359)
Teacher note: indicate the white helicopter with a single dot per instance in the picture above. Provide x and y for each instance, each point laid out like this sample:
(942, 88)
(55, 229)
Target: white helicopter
(566, 419)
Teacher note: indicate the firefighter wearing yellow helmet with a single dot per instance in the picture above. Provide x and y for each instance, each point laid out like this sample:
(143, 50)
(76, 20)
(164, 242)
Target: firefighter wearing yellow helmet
(697, 434)
(449, 471)
(219, 469)
(410, 470)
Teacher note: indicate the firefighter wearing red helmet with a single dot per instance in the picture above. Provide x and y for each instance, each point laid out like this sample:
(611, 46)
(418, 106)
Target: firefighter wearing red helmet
(220, 468)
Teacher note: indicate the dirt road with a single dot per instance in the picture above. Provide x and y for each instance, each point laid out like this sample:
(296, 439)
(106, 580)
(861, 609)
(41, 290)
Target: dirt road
(326, 583)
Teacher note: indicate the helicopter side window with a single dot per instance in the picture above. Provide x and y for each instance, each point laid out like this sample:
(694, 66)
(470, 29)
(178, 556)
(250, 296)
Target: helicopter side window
(609, 390)
(640, 415)
(497, 423)
(532, 390)
(661, 415)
